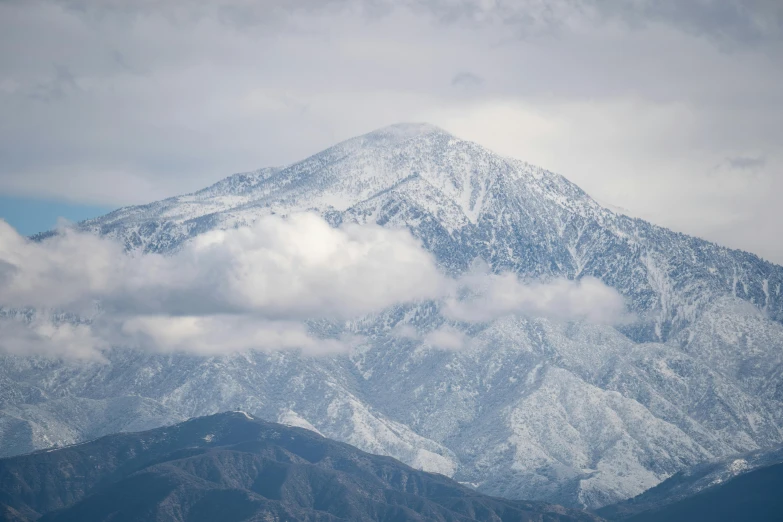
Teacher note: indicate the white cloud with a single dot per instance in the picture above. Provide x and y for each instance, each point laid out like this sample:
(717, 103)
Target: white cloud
(490, 296)
(215, 334)
(446, 338)
(224, 291)
(302, 267)
(68, 270)
(405, 331)
(255, 288)
(294, 268)
(47, 338)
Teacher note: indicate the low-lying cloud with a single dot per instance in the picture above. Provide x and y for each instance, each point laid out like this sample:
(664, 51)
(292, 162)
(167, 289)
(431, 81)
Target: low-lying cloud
(253, 287)
(299, 267)
(43, 336)
(66, 271)
(225, 291)
(490, 296)
(208, 335)
(447, 338)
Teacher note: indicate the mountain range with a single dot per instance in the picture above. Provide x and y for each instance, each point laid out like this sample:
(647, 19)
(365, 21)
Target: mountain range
(570, 412)
(233, 467)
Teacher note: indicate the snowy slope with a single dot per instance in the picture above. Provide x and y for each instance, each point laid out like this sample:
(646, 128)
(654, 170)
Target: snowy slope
(580, 414)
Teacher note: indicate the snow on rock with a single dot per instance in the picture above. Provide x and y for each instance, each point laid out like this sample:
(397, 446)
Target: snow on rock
(353, 422)
(291, 418)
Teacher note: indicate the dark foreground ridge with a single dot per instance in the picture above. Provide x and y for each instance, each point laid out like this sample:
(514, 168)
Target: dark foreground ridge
(231, 467)
(707, 493)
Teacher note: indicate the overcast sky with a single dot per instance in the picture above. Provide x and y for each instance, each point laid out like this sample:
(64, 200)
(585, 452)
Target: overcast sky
(672, 109)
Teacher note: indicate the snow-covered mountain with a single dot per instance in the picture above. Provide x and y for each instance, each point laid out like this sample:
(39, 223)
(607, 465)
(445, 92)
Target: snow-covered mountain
(576, 413)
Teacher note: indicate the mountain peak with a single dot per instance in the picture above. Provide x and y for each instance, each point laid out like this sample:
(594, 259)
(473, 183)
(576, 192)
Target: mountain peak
(402, 131)
(410, 128)
(537, 376)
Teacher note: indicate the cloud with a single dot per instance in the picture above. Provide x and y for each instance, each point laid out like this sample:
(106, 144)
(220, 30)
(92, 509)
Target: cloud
(405, 331)
(302, 267)
(491, 296)
(730, 22)
(224, 291)
(446, 338)
(294, 268)
(254, 287)
(45, 337)
(55, 88)
(747, 162)
(480, 296)
(209, 335)
(69, 270)
(467, 80)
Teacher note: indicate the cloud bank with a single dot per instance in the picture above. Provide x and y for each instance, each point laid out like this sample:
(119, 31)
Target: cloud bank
(491, 296)
(219, 334)
(45, 337)
(225, 291)
(292, 268)
(252, 288)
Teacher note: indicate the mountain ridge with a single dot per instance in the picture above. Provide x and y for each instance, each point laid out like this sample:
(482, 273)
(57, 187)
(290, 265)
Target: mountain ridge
(700, 375)
(243, 469)
(692, 482)
(750, 496)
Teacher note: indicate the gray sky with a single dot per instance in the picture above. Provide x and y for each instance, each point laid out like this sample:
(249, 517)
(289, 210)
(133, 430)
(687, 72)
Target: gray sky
(672, 109)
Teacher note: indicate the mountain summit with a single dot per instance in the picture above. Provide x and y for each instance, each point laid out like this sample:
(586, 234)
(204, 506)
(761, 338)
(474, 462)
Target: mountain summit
(575, 413)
